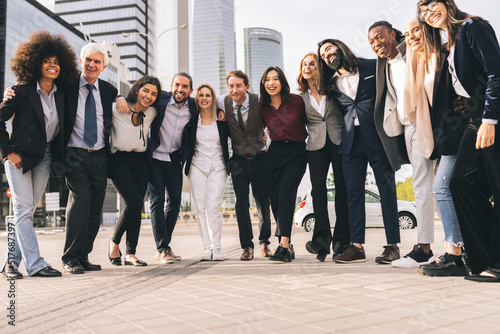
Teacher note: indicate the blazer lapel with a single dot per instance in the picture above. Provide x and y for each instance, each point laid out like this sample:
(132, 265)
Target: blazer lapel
(59, 97)
(439, 71)
(37, 105)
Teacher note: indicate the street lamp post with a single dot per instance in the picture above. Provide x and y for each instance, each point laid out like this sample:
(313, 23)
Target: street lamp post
(155, 42)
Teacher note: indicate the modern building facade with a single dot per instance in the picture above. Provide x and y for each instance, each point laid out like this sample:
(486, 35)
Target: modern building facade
(111, 21)
(213, 42)
(263, 48)
(18, 19)
(172, 43)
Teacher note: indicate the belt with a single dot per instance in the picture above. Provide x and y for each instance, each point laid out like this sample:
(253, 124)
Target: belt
(90, 150)
(250, 156)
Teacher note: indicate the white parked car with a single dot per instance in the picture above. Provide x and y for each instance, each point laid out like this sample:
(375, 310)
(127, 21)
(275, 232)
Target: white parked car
(304, 214)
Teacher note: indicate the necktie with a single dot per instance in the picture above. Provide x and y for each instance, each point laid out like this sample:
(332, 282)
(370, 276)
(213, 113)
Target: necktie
(240, 118)
(90, 127)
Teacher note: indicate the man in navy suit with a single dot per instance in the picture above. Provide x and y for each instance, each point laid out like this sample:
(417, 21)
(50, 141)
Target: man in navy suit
(351, 81)
(168, 149)
(86, 136)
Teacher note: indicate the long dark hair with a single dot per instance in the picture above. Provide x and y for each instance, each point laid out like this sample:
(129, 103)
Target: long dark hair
(432, 36)
(265, 99)
(141, 82)
(351, 64)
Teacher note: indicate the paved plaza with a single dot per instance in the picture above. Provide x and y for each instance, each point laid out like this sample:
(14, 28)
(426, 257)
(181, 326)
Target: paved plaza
(305, 296)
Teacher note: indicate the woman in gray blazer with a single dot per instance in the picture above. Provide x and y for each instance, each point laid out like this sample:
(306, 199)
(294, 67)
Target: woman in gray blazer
(324, 124)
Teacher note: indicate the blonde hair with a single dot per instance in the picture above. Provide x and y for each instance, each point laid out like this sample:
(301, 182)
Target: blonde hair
(214, 98)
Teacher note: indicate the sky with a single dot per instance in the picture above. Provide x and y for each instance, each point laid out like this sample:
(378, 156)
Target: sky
(303, 23)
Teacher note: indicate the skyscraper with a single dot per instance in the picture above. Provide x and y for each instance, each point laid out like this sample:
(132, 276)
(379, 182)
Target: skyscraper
(263, 48)
(213, 42)
(105, 21)
(172, 44)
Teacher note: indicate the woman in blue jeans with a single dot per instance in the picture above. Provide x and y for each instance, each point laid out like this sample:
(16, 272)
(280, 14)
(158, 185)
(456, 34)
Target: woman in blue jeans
(429, 99)
(45, 64)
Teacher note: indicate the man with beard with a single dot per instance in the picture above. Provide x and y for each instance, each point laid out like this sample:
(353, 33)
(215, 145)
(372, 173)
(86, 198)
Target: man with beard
(246, 130)
(351, 81)
(390, 120)
(176, 112)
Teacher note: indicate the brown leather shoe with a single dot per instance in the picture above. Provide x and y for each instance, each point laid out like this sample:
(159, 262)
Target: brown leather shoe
(351, 254)
(166, 257)
(265, 250)
(389, 254)
(247, 254)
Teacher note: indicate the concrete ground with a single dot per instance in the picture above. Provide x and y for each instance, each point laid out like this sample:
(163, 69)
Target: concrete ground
(305, 296)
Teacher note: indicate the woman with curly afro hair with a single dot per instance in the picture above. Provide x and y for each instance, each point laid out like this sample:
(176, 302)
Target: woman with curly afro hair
(44, 64)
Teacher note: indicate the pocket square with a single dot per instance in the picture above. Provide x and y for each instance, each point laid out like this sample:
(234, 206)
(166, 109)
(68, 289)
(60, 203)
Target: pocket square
(369, 77)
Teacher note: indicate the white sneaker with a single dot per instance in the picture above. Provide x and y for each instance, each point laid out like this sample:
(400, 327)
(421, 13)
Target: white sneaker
(207, 255)
(414, 259)
(218, 255)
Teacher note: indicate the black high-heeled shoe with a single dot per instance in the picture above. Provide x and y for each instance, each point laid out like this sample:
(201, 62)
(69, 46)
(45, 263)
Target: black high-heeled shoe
(116, 261)
(281, 254)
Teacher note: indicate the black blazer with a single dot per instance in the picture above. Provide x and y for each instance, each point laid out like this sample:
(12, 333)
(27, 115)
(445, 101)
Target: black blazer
(28, 137)
(155, 140)
(223, 136)
(477, 55)
(108, 95)
(363, 106)
(448, 126)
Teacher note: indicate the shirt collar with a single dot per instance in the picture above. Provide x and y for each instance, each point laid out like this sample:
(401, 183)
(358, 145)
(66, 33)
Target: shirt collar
(84, 81)
(52, 91)
(245, 104)
(337, 74)
(396, 59)
(172, 102)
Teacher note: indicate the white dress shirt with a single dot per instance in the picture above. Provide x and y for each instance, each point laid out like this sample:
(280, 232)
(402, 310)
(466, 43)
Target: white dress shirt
(49, 112)
(127, 137)
(348, 84)
(76, 138)
(207, 148)
(171, 129)
(319, 107)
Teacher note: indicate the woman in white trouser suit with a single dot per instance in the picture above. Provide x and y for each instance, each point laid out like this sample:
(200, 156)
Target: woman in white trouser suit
(206, 171)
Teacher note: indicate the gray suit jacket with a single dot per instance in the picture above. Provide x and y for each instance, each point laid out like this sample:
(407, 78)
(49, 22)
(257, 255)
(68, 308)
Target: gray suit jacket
(318, 126)
(394, 146)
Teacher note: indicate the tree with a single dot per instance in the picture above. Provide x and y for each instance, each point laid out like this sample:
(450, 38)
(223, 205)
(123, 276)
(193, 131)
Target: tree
(404, 190)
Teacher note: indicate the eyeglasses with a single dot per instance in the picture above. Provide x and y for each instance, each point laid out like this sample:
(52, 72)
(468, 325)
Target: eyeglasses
(431, 8)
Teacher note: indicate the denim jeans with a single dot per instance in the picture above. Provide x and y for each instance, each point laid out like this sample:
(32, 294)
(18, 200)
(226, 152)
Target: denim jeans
(441, 189)
(164, 176)
(26, 190)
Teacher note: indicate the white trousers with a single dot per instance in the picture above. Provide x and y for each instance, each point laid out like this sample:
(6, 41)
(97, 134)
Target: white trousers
(423, 178)
(207, 190)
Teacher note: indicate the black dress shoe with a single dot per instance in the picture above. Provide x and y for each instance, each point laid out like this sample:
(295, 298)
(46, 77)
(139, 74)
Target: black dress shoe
(116, 261)
(73, 268)
(48, 272)
(88, 266)
(10, 272)
(292, 251)
(138, 263)
(315, 249)
(281, 254)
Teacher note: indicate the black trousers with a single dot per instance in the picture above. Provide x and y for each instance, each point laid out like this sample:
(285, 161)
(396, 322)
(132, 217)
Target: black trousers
(86, 178)
(355, 165)
(243, 173)
(319, 164)
(475, 178)
(165, 176)
(130, 177)
(286, 164)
